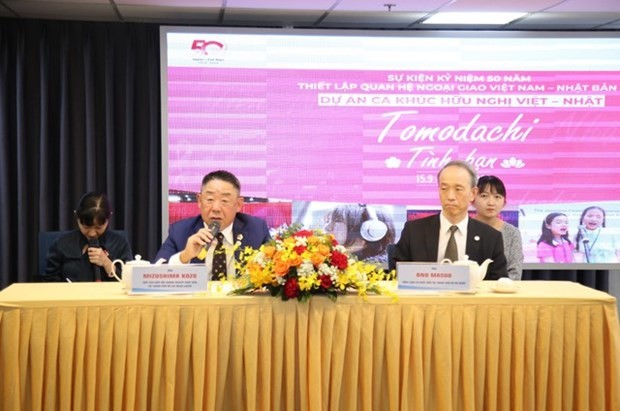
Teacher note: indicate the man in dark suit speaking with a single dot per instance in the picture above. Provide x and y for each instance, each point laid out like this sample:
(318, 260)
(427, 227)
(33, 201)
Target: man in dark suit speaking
(452, 234)
(211, 236)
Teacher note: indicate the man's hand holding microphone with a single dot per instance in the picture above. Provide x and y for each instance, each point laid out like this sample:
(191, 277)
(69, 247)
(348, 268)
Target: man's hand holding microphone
(198, 244)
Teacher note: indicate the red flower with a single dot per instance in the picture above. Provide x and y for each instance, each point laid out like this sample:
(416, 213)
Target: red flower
(300, 249)
(340, 260)
(291, 288)
(303, 233)
(326, 281)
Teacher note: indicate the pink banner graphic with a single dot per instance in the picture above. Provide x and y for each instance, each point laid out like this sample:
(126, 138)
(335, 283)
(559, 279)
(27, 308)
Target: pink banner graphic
(381, 136)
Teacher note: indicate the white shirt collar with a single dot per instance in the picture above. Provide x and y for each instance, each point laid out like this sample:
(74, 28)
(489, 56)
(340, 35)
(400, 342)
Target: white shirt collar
(445, 224)
(226, 232)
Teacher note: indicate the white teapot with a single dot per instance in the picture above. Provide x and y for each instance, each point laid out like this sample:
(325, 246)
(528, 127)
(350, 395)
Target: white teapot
(127, 268)
(476, 272)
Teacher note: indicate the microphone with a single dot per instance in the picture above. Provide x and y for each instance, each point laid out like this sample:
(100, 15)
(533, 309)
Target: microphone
(94, 243)
(585, 241)
(582, 231)
(214, 227)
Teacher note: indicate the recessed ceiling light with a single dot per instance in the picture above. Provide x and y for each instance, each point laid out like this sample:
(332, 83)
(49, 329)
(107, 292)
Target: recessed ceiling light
(473, 18)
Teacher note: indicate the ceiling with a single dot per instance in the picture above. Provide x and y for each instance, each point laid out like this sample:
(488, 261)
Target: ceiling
(349, 14)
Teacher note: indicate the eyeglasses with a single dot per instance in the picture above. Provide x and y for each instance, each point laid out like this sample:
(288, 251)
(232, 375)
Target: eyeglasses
(212, 201)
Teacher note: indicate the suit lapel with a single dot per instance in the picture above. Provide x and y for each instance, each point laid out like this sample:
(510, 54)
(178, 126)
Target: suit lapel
(431, 238)
(238, 229)
(472, 247)
(238, 234)
(198, 224)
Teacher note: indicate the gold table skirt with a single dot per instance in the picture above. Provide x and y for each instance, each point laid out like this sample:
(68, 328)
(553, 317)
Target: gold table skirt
(550, 346)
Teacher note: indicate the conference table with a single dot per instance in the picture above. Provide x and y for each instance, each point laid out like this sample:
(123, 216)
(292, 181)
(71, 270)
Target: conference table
(552, 345)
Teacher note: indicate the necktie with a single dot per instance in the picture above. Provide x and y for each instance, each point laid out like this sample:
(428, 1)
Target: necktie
(219, 260)
(452, 253)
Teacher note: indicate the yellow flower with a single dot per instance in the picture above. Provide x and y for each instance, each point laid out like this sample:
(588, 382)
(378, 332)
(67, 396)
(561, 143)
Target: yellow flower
(259, 276)
(288, 243)
(307, 283)
(278, 256)
(342, 281)
(269, 250)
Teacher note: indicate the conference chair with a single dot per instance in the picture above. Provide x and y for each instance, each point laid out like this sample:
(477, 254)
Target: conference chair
(47, 238)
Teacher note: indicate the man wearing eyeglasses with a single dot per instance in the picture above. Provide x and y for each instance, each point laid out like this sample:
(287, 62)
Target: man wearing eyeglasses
(220, 225)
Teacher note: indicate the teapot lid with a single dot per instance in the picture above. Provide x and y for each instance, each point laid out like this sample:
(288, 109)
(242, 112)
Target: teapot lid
(464, 261)
(138, 261)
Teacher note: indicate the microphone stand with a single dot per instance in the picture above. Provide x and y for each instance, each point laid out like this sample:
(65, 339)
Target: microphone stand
(586, 249)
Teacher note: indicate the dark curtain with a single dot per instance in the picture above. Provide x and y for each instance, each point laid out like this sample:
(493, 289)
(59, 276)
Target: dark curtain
(598, 279)
(79, 111)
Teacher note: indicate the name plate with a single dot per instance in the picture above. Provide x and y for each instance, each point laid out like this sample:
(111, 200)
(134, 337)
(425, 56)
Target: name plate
(172, 279)
(432, 277)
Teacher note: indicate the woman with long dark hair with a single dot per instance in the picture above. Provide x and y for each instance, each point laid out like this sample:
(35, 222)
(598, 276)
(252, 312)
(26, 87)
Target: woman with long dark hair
(593, 240)
(554, 246)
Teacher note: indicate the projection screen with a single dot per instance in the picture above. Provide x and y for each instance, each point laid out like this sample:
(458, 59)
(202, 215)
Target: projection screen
(314, 122)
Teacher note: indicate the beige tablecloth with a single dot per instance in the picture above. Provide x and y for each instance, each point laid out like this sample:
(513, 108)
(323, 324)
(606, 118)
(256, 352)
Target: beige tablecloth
(550, 346)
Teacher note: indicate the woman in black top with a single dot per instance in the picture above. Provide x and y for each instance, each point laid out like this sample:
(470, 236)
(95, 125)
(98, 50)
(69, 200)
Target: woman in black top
(86, 254)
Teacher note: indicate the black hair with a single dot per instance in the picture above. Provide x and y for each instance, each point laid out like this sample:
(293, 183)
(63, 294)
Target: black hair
(547, 236)
(93, 209)
(494, 183)
(583, 214)
(221, 175)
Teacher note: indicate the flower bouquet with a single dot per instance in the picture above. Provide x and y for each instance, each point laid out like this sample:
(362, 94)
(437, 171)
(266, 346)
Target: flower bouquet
(298, 263)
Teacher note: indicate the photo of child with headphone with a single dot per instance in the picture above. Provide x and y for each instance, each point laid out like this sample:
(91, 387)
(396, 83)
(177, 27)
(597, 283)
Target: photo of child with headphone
(366, 231)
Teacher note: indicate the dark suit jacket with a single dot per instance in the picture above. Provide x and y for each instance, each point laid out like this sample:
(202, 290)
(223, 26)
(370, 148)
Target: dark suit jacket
(420, 238)
(66, 258)
(254, 231)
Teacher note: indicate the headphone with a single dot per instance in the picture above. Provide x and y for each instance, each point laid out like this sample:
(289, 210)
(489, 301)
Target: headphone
(373, 229)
